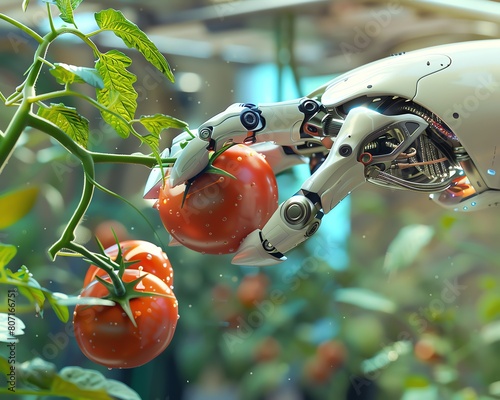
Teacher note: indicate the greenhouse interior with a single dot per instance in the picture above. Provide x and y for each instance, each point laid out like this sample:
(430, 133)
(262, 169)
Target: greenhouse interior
(249, 200)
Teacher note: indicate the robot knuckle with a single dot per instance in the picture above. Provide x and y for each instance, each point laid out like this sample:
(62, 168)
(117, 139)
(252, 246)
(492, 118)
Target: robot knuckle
(299, 212)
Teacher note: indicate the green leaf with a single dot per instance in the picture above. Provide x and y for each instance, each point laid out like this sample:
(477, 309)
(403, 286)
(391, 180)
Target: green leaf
(427, 393)
(365, 298)
(133, 37)
(4, 366)
(37, 372)
(155, 124)
(68, 120)
(490, 333)
(25, 5)
(67, 74)
(76, 378)
(494, 388)
(7, 253)
(119, 390)
(10, 321)
(66, 8)
(406, 246)
(153, 142)
(158, 122)
(31, 288)
(60, 309)
(18, 203)
(385, 357)
(63, 299)
(118, 94)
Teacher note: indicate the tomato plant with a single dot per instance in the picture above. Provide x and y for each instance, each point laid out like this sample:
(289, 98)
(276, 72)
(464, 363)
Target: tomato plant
(138, 254)
(107, 335)
(217, 212)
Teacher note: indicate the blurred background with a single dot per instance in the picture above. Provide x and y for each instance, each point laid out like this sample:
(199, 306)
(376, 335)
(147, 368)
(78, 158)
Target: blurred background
(394, 297)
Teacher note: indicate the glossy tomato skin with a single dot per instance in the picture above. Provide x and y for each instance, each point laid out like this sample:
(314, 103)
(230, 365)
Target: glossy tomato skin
(150, 258)
(219, 211)
(106, 335)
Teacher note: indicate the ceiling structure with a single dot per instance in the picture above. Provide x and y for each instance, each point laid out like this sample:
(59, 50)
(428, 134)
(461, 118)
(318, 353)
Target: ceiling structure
(318, 36)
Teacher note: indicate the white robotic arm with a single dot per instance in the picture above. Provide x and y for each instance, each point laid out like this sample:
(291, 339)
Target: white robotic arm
(424, 121)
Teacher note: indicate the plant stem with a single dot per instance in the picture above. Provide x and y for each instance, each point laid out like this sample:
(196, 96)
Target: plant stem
(23, 27)
(144, 160)
(19, 121)
(109, 268)
(9, 139)
(51, 20)
(68, 236)
(88, 167)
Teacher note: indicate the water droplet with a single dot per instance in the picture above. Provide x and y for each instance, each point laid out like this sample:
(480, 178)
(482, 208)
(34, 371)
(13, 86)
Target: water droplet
(239, 158)
(149, 310)
(239, 197)
(224, 219)
(149, 256)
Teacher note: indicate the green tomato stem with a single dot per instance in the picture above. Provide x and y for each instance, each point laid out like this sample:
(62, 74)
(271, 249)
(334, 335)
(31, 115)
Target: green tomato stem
(144, 160)
(19, 121)
(51, 20)
(68, 236)
(118, 286)
(23, 27)
(89, 172)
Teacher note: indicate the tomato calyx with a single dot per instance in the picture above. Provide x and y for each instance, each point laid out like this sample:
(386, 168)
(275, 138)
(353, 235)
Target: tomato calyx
(209, 169)
(131, 293)
(126, 291)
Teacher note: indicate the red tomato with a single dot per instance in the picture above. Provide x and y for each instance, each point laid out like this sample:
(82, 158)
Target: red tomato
(316, 372)
(267, 349)
(333, 353)
(252, 289)
(106, 335)
(219, 211)
(106, 231)
(150, 258)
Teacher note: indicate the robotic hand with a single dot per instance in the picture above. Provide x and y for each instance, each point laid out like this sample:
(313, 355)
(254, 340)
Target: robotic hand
(425, 121)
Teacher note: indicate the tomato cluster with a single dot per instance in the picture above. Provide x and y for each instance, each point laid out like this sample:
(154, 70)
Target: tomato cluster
(115, 336)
